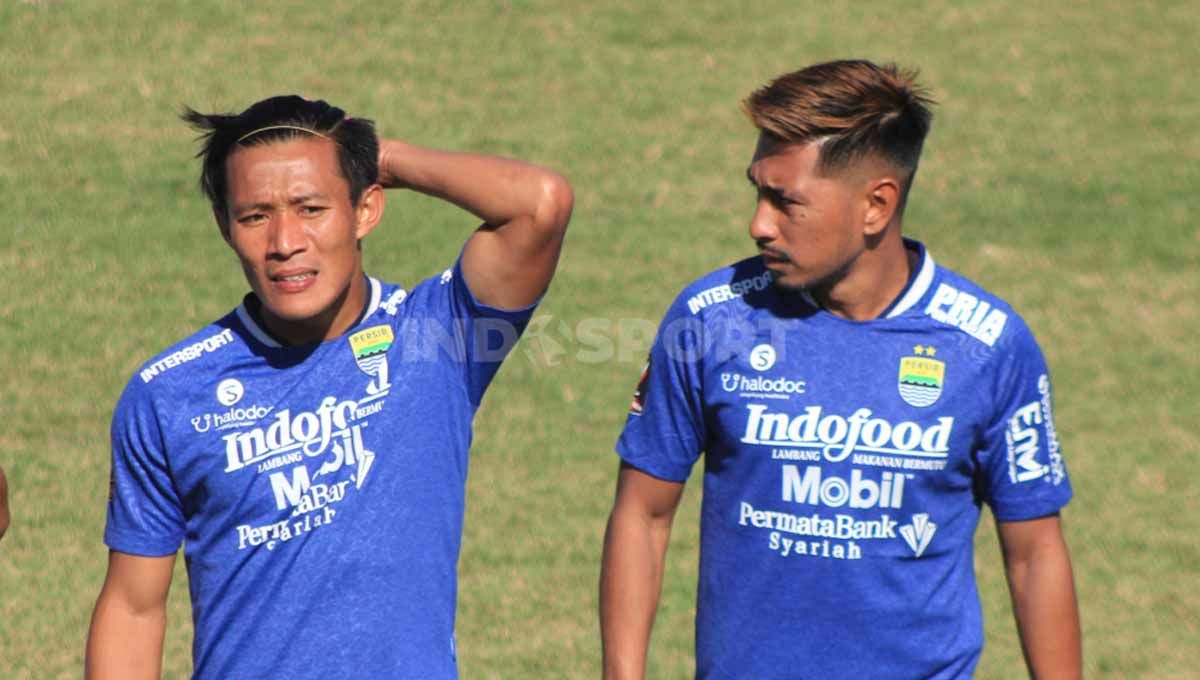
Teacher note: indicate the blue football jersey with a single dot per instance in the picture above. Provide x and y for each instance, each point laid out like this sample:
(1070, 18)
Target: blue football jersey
(845, 464)
(318, 490)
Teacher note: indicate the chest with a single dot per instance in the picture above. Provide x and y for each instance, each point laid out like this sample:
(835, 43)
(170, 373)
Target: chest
(872, 408)
(261, 441)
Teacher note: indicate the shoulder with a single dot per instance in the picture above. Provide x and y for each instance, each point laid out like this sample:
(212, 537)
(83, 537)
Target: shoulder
(957, 302)
(197, 352)
(398, 300)
(386, 298)
(734, 284)
(167, 375)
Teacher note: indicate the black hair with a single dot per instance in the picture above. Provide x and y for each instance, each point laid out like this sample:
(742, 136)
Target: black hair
(222, 134)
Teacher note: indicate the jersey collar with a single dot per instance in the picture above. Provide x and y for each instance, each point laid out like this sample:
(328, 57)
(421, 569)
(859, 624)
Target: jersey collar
(374, 293)
(918, 285)
(913, 291)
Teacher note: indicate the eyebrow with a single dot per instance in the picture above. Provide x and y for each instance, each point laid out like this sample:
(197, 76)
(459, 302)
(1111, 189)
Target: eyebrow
(291, 201)
(791, 195)
(307, 197)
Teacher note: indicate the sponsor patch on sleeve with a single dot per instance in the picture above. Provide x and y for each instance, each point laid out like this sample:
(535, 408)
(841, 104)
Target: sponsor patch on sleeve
(639, 394)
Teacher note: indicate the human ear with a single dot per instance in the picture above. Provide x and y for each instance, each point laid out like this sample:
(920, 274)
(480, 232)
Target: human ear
(882, 198)
(369, 211)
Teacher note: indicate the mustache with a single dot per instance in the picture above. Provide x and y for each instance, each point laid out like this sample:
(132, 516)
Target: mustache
(774, 252)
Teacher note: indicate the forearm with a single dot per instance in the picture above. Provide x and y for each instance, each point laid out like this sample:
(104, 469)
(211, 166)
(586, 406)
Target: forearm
(496, 190)
(630, 585)
(1043, 596)
(124, 644)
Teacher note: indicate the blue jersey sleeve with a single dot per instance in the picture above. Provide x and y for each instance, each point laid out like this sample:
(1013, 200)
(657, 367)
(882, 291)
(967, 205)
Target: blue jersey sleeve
(1023, 472)
(485, 334)
(145, 515)
(665, 431)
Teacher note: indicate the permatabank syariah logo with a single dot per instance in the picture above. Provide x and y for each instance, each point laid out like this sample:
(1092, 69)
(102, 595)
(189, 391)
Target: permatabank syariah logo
(918, 534)
(762, 357)
(230, 391)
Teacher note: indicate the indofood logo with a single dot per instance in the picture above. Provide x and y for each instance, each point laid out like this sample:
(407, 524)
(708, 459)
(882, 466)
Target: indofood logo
(306, 432)
(921, 377)
(838, 436)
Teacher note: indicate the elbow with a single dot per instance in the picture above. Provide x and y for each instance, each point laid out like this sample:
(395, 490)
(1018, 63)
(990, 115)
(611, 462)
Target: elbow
(555, 203)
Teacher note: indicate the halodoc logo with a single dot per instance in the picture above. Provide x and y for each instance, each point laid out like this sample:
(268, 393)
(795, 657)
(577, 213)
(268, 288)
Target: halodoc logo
(242, 416)
(761, 385)
(838, 436)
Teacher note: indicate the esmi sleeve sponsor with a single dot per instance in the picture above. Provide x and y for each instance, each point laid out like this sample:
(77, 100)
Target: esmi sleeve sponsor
(1024, 474)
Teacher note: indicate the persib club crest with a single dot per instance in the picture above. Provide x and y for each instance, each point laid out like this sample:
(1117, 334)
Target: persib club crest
(921, 377)
(370, 348)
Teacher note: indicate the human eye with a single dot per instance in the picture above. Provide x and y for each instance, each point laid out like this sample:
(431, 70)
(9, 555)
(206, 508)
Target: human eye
(776, 198)
(250, 219)
(312, 210)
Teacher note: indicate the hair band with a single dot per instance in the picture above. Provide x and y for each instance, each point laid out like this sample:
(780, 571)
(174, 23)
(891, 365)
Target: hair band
(281, 127)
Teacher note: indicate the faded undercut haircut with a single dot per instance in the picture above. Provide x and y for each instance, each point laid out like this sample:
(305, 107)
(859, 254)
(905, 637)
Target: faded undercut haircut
(854, 108)
(278, 119)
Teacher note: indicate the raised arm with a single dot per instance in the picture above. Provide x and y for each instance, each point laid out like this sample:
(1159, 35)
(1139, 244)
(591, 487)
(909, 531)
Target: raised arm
(1038, 567)
(126, 638)
(635, 547)
(509, 260)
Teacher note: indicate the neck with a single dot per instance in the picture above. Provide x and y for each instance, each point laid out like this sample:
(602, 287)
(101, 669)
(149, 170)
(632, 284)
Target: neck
(329, 324)
(870, 283)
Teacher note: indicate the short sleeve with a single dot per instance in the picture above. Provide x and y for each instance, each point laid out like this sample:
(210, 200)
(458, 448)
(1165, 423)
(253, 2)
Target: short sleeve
(665, 431)
(145, 516)
(1023, 474)
(489, 333)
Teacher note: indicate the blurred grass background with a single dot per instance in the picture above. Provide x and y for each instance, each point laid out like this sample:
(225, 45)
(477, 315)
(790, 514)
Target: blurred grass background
(1058, 173)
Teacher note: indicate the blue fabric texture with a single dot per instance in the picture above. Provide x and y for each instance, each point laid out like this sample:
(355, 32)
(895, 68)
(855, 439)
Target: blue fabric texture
(845, 466)
(317, 491)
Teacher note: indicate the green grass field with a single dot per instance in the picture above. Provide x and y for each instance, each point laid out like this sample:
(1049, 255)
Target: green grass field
(1057, 175)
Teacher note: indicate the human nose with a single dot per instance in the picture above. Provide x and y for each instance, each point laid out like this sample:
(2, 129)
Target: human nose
(287, 236)
(762, 224)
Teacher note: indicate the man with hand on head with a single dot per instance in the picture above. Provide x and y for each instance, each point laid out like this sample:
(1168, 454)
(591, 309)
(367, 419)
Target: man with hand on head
(856, 403)
(309, 449)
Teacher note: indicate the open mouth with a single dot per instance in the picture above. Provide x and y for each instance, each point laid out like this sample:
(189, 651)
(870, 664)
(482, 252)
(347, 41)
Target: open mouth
(293, 282)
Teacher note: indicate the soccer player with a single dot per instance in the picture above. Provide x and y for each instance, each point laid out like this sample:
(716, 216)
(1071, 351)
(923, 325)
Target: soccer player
(856, 403)
(309, 449)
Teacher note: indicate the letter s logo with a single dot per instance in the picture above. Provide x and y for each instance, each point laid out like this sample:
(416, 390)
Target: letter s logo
(230, 391)
(762, 357)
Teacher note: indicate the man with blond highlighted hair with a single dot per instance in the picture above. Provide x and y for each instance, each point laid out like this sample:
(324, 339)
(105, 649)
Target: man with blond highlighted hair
(309, 449)
(856, 404)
